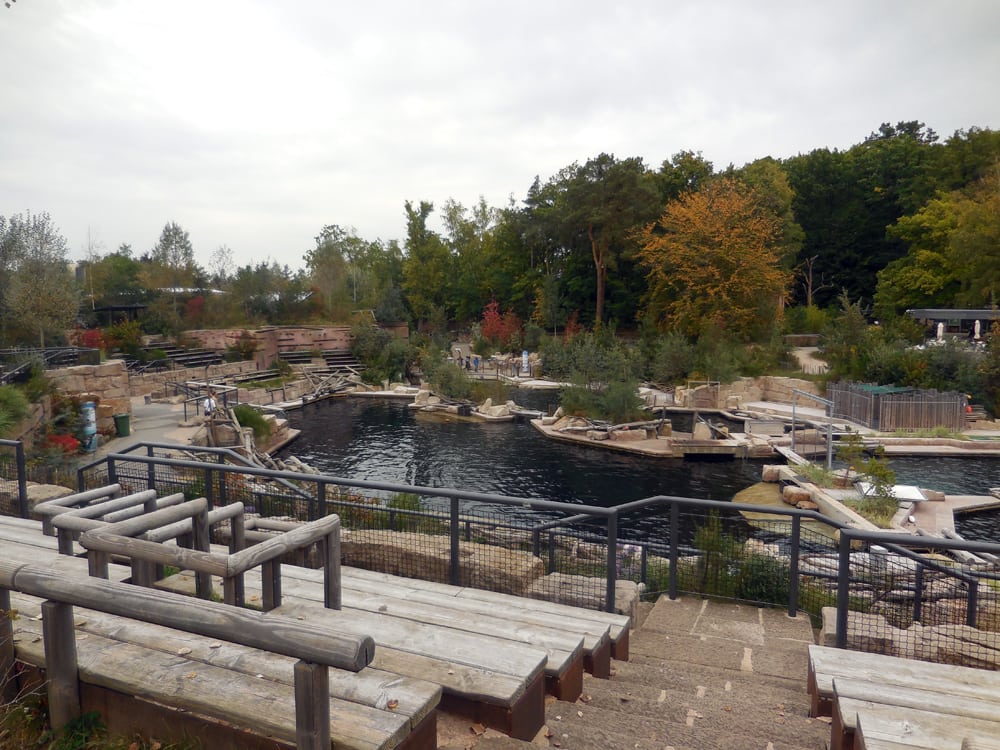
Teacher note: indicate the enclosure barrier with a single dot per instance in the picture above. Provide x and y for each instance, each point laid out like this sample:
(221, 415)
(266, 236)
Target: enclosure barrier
(793, 558)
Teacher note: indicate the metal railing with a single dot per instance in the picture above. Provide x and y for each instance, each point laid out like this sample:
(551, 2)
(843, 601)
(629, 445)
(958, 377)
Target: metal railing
(878, 582)
(16, 476)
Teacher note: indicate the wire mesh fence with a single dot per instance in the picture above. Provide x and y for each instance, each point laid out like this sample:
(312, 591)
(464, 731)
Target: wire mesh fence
(890, 593)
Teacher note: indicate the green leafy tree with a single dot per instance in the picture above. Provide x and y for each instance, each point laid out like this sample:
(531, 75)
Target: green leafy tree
(427, 269)
(41, 296)
(171, 265)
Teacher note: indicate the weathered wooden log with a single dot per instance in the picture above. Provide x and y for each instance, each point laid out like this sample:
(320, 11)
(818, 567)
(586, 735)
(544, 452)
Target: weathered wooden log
(59, 635)
(313, 642)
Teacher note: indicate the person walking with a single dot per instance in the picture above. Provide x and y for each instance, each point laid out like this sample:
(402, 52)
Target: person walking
(209, 404)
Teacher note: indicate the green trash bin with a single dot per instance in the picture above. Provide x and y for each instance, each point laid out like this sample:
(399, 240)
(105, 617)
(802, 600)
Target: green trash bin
(122, 425)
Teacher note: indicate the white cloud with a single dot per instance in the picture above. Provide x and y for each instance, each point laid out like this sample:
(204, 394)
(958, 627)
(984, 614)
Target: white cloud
(254, 124)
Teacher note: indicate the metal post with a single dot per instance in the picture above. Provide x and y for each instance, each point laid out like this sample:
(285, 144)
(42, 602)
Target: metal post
(972, 606)
(454, 570)
(612, 578)
(22, 480)
(918, 592)
(794, 402)
(843, 588)
(150, 469)
(675, 541)
(793, 571)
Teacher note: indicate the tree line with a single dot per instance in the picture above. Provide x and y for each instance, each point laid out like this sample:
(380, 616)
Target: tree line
(900, 220)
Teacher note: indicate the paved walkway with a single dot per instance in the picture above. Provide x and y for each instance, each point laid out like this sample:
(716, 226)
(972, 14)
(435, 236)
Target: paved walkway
(155, 422)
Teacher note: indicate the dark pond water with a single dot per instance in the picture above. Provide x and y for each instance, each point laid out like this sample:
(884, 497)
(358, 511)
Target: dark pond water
(383, 440)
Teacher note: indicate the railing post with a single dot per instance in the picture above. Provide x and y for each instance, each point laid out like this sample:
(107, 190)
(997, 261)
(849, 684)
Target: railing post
(552, 552)
(150, 470)
(22, 480)
(536, 542)
(312, 706)
(675, 537)
(222, 498)
(918, 592)
(843, 587)
(793, 568)
(972, 605)
(454, 570)
(612, 563)
(8, 683)
(59, 638)
(332, 591)
(112, 471)
(318, 508)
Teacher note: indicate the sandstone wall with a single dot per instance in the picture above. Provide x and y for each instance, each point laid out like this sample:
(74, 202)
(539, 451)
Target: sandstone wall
(106, 384)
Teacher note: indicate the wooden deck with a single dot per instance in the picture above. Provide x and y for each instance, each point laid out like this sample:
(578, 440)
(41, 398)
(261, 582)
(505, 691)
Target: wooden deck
(882, 702)
(490, 657)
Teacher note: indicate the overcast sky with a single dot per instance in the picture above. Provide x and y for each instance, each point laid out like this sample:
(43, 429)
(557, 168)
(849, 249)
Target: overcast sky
(254, 124)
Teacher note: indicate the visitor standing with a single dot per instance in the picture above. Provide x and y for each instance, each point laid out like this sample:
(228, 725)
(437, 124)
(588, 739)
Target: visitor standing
(209, 403)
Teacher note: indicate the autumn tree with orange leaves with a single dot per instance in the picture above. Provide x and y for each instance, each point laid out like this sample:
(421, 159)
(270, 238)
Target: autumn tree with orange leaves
(712, 261)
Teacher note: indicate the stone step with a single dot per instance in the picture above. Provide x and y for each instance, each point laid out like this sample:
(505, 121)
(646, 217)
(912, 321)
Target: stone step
(588, 727)
(643, 670)
(783, 659)
(776, 712)
(722, 618)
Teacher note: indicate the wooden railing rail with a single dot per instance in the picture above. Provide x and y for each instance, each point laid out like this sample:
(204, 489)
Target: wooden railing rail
(316, 648)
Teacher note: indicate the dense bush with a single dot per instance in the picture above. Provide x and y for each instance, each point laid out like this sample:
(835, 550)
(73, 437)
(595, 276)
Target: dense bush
(250, 417)
(384, 356)
(14, 407)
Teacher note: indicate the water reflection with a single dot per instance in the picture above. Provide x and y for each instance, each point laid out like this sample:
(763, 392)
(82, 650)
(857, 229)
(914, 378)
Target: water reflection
(383, 440)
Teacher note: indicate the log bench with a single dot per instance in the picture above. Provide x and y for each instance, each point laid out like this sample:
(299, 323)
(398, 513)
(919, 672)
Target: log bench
(901, 702)
(127, 665)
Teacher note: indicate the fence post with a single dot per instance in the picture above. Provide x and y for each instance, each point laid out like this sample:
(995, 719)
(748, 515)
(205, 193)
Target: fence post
(150, 470)
(454, 572)
(22, 479)
(918, 592)
(793, 570)
(843, 587)
(312, 706)
(972, 605)
(8, 682)
(612, 579)
(59, 638)
(320, 504)
(675, 536)
(112, 471)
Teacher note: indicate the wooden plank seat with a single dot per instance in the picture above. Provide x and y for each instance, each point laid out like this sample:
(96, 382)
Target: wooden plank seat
(497, 682)
(252, 689)
(853, 698)
(564, 647)
(593, 624)
(826, 664)
(881, 727)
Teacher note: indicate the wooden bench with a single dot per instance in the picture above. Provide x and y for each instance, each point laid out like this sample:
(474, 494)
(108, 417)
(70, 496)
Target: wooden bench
(902, 702)
(591, 623)
(890, 728)
(492, 680)
(563, 642)
(126, 663)
(826, 664)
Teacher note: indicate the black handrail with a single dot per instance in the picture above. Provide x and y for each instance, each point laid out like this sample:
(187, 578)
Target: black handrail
(609, 517)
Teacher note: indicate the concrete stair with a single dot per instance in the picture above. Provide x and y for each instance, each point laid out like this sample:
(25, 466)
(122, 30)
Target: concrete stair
(703, 675)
